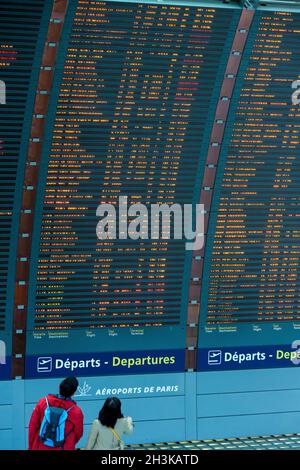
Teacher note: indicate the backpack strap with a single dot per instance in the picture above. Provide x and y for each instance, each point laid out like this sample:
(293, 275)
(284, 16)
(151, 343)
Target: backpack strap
(67, 435)
(73, 427)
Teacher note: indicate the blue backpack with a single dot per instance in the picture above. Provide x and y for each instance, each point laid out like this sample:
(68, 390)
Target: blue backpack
(52, 430)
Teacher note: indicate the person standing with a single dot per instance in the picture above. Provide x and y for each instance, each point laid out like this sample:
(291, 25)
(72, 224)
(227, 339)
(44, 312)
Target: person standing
(56, 422)
(106, 432)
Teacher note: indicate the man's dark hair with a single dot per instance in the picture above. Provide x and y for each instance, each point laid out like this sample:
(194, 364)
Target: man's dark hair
(68, 387)
(110, 412)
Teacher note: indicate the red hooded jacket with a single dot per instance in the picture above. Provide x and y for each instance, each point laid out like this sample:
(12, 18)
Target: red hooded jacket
(73, 426)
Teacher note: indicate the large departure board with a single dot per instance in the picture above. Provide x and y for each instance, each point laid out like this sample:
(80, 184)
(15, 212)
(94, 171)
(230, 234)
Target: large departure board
(251, 278)
(20, 52)
(137, 86)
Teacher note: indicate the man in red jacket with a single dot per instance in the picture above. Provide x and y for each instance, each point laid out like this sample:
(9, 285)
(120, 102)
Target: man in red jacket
(74, 422)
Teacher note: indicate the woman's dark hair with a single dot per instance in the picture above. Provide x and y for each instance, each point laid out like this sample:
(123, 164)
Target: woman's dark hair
(110, 412)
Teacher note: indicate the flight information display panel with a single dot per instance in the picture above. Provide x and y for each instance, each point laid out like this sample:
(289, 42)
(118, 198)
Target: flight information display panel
(137, 92)
(20, 22)
(251, 279)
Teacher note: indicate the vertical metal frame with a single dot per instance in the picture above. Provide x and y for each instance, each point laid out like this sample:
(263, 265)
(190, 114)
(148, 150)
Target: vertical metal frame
(30, 186)
(206, 194)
